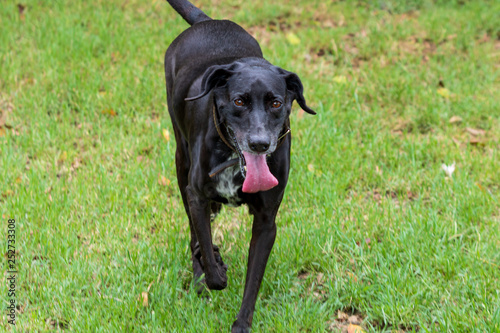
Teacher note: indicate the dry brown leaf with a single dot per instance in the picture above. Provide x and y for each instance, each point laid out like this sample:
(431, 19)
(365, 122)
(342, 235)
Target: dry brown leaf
(163, 181)
(7, 193)
(354, 329)
(144, 296)
(352, 276)
(475, 132)
(110, 112)
(455, 119)
(342, 316)
(166, 134)
(476, 141)
(355, 320)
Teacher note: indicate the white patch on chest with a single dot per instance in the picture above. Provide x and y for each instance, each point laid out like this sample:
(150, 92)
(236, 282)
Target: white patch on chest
(226, 187)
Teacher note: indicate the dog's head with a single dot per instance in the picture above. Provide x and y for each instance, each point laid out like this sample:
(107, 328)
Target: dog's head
(254, 99)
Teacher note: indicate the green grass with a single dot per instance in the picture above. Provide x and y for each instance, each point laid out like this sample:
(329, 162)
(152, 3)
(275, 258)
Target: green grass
(370, 225)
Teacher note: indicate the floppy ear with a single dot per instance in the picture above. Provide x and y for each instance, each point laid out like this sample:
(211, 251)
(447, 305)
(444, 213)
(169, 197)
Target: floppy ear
(294, 85)
(215, 76)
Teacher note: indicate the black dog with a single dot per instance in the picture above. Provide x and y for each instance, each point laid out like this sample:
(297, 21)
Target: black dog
(230, 112)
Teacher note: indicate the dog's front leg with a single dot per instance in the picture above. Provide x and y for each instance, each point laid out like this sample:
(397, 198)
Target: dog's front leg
(215, 270)
(263, 236)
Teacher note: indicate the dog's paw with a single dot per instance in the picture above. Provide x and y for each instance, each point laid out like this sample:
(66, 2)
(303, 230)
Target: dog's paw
(217, 280)
(215, 276)
(240, 328)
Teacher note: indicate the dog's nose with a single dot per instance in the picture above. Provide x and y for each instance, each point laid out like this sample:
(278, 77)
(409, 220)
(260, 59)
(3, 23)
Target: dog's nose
(259, 144)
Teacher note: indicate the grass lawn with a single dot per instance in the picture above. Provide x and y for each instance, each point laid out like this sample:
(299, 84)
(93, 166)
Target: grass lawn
(372, 231)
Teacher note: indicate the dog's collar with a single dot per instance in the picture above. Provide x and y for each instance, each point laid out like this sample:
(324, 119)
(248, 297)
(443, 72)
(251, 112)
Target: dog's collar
(240, 159)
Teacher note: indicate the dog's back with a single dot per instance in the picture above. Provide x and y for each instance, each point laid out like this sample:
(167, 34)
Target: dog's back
(213, 42)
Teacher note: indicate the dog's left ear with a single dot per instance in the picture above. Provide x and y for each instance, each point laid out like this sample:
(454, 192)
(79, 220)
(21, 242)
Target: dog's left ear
(294, 85)
(215, 76)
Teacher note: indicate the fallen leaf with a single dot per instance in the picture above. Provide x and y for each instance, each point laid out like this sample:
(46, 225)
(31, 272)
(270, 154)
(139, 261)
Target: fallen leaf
(352, 276)
(18, 180)
(476, 141)
(355, 320)
(7, 193)
(480, 187)
(163, 181)
(292, 38)
(451, 37)
(475, 132)
(166, 134)
(342, 316)
(310, 167)
(444, 92)
(354, 329)
(144, 295)
(110, 112)
(455, 119)
(63, 157)
(340, 79)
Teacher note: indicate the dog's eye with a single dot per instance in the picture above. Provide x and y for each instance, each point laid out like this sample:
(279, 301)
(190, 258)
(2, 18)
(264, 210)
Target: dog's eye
(276, 104)
(239, 102)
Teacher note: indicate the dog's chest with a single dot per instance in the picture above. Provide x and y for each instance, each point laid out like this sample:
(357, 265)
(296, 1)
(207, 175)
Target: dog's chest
(227, 185)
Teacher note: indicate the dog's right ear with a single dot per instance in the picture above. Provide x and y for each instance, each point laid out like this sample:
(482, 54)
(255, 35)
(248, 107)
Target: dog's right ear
(215, 76)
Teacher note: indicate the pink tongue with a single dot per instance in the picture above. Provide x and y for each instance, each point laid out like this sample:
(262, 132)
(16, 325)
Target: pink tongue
(258, 178)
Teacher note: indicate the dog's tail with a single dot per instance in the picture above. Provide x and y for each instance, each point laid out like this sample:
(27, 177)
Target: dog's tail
(188, 11)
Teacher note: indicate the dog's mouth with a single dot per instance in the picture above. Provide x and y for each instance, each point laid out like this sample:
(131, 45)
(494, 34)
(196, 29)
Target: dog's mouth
(258, 177)
(254, 169)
